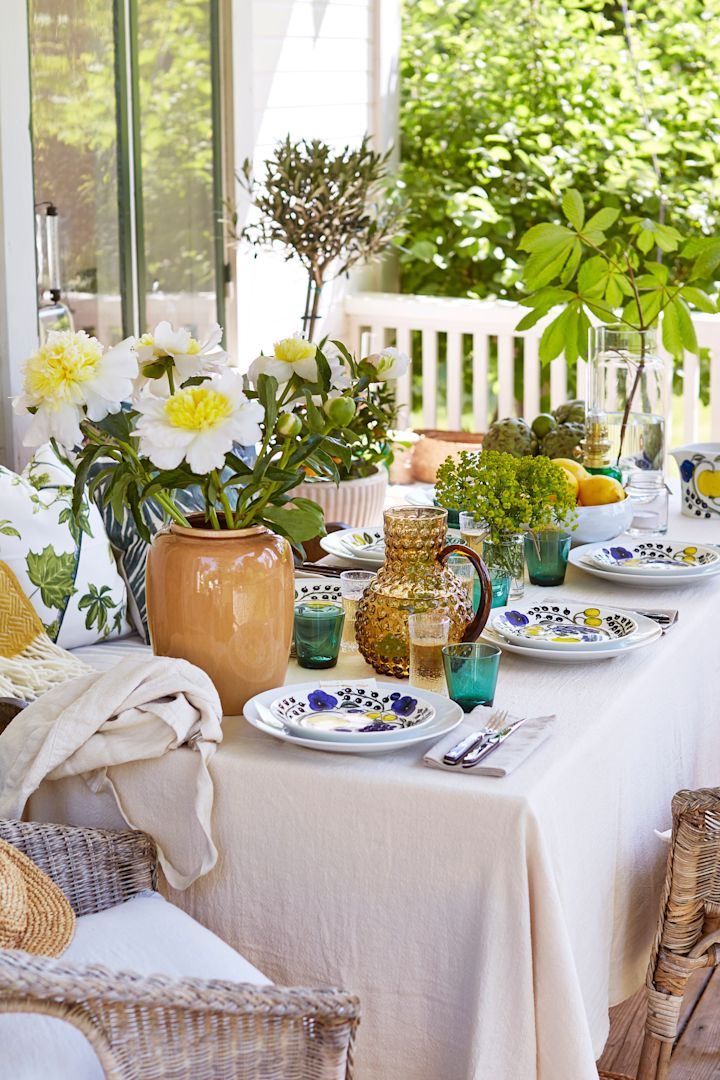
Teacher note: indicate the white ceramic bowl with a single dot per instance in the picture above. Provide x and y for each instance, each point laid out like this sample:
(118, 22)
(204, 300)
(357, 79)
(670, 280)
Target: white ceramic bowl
(598, 523)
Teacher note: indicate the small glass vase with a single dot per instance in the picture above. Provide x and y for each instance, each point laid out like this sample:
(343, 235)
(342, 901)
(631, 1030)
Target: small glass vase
(508, 555)
(628, 392)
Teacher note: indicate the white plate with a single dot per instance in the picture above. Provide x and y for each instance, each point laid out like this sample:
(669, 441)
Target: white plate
(579, 557)
(347, 544)
(566, 625)
(573, 656)
(656, 557)
(646, 628)
(319, 588)
(342, 713)
(447, 717)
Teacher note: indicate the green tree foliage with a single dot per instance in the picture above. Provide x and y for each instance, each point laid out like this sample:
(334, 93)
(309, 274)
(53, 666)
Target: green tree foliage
(506, 105)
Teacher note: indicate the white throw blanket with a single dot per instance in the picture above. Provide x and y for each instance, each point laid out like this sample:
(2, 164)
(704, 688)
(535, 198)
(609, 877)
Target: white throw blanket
(115, 728)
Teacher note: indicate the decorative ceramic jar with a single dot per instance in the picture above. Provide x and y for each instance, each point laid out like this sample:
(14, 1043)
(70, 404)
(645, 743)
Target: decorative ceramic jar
(356, 503)
(224, 601)
(414, 578)
(699, 466)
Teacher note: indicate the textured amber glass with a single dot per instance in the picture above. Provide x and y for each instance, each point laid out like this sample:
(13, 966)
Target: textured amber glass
(412, 579)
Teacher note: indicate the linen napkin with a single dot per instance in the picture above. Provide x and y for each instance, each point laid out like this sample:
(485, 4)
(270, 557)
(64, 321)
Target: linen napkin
(512, 753)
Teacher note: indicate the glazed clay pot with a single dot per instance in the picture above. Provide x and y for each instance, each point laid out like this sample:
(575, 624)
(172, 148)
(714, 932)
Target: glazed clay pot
(357, 503)
(223, 601)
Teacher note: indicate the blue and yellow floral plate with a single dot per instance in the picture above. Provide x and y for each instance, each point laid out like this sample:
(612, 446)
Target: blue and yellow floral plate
(563, 626)
(323, 716)
(656, 557)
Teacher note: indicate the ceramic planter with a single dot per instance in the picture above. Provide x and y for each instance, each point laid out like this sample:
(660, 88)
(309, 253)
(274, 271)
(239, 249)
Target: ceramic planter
(353, 502)
(223, 601)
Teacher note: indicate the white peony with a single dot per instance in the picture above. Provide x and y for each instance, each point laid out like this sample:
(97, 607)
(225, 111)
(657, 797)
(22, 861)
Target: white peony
(291, 356)
(70, 377)
(190, 357)
(198, 424)
(389, 363)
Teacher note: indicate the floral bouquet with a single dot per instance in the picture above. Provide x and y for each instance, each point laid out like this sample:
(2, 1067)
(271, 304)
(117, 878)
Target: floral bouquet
(162, 413)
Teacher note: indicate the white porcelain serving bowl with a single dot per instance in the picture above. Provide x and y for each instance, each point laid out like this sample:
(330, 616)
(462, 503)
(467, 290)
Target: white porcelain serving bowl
(598, 523)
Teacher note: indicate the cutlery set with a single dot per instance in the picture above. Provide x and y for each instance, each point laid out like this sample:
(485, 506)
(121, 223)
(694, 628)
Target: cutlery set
(478, 744)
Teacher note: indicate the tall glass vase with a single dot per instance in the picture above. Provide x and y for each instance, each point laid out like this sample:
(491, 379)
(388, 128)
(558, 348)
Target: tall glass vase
(628, 393)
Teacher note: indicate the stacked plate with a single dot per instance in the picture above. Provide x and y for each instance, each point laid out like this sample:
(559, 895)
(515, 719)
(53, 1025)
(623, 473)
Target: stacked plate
(570, 633)
(655, 563)
(363, 547)
(362, 717)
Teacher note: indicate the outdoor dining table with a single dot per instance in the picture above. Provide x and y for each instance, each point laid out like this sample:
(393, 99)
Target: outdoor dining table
(486, 923)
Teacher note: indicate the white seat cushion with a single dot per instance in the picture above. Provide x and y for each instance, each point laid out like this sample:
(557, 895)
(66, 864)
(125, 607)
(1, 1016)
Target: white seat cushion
(146, 935)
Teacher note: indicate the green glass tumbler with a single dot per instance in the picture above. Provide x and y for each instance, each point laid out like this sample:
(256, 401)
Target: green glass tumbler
(318, 633)
(500, 581)
(471, 671)
(546, 555)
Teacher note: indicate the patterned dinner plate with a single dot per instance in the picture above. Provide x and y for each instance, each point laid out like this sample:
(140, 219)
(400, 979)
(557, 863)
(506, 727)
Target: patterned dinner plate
(582, 558)
(581, 655)
(365, 546)
(563, 626)
(655, 557)
(319, 588)
(339, 713)
(258, 712)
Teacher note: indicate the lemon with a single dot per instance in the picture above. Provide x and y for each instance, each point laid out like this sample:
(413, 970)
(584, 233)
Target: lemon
(579, 471)
(571, 478)
(599, 490)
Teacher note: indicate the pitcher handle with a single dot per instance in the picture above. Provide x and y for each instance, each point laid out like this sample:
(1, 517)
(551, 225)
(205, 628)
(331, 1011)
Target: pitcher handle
(473, 630)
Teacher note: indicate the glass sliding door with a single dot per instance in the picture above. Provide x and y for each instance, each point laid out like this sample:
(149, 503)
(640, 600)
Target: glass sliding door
(74, 125)
(126, 136)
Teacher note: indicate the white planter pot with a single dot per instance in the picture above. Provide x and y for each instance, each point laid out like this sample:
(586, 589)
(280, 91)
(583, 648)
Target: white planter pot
(355, 502)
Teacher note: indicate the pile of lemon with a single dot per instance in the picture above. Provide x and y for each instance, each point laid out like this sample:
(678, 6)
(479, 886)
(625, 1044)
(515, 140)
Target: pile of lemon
(590, 490)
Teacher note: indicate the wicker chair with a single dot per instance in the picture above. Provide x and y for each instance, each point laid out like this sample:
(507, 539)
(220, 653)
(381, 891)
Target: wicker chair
(687, 937)
(148, 1028)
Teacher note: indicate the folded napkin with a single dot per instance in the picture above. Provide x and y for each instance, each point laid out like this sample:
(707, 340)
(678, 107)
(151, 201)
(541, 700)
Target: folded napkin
(517, 747)
(664, 617)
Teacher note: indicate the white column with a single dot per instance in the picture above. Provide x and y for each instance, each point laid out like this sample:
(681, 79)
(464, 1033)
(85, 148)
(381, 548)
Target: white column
(18, 275)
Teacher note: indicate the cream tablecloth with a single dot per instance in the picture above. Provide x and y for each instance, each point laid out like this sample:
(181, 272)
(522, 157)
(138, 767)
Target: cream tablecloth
(486, 923)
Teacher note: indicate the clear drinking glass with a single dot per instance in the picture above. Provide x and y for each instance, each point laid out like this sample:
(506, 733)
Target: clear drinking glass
(353, 584)
(318, 630)
(546, 554)
(464, 571)
(508, 556)
(471, 671)
(428, 631)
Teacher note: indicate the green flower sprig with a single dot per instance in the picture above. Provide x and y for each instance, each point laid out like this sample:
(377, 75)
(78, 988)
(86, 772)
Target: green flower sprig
(511, 495)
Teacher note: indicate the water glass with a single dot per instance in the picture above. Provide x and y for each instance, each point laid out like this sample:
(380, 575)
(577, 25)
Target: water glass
(472, 531)
(318, 630)
(464, 571)
(471, 671)
(500, 581)
(353, 584)
(507, 555)
(428, 631)
(546, 554)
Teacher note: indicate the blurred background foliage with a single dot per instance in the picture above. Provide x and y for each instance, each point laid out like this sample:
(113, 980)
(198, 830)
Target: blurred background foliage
(505, 104)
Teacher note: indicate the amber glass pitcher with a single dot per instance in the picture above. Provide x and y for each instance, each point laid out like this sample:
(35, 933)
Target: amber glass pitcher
(415, 578)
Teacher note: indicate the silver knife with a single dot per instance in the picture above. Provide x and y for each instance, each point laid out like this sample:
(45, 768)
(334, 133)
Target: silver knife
(497, 738)
(456, 753)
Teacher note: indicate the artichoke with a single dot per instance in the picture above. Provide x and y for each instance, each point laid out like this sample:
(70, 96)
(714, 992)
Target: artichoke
(513, 435)
(564, 441)
(572, 412)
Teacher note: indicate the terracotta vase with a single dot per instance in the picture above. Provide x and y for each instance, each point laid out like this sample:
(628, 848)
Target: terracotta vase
(223, 601)
(414, 578)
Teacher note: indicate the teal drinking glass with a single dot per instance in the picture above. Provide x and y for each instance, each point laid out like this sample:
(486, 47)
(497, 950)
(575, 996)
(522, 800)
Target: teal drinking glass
(471, 671)
(318, 633)
(546, 555)
(500, 581)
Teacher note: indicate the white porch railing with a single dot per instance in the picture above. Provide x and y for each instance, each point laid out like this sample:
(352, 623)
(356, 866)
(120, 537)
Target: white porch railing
(471, 329)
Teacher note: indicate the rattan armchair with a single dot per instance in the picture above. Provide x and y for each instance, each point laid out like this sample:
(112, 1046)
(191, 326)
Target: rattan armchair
(158, 1027)
(687, 937)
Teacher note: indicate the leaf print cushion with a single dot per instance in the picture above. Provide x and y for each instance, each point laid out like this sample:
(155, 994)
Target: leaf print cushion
(66, 567)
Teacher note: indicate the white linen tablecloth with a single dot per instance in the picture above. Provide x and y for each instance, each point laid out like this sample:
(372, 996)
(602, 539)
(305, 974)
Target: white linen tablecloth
(486, 923)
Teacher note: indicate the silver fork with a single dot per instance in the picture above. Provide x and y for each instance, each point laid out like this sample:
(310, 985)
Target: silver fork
(477, 739)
